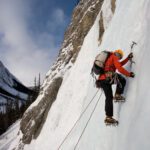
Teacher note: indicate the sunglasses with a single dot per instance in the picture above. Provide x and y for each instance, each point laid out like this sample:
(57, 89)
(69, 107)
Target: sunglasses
(118, 55)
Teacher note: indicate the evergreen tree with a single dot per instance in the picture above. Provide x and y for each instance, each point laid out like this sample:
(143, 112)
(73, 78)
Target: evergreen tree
(14, 108)
(39, 82)
(35, 85)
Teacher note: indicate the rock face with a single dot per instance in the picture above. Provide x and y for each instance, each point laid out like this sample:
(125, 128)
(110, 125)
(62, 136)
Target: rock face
(101, 28)
(39, 113)
(113, 4)
(83, 17)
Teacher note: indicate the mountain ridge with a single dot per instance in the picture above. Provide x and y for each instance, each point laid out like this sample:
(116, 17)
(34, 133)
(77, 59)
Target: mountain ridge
(10, 86)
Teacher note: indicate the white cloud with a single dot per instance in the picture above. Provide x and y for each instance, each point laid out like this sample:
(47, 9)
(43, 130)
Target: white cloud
(57, 19)
(24, 56)
(59, 16)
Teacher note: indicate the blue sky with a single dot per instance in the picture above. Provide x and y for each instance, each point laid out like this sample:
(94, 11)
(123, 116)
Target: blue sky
(31, 33)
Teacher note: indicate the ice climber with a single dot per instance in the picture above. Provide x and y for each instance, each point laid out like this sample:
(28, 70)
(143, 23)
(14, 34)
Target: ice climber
(110, 77)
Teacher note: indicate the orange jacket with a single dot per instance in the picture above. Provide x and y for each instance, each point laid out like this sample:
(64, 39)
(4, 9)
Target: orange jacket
(112, 63)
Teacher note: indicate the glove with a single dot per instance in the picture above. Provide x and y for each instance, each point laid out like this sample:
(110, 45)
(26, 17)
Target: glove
(130, 56)
(132, 75)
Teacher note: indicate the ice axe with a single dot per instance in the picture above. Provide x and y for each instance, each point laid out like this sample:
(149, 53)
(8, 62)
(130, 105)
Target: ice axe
(132, 46)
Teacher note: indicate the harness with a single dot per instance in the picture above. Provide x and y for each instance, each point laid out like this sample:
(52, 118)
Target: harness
(116, 80)
(111, 75)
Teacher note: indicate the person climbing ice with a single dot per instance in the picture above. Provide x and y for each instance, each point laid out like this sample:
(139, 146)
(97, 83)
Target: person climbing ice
(109, 77)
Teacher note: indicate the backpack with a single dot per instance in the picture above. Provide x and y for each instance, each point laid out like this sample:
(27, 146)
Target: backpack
(99, 63)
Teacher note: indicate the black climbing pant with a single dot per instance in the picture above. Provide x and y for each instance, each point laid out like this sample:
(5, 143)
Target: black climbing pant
(107, 88)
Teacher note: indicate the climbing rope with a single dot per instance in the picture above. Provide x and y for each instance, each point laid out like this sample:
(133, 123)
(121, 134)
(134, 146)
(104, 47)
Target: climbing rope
(78, 120)
(88, 122)
(94, 78)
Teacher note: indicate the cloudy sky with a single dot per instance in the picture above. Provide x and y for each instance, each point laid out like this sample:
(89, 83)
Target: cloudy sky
(31, 32)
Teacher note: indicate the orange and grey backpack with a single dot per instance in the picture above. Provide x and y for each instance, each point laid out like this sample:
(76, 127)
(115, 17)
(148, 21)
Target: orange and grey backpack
(99, 62)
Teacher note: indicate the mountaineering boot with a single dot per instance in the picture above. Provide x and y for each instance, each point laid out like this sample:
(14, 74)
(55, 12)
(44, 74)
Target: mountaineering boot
(111, 121)
(119, 98)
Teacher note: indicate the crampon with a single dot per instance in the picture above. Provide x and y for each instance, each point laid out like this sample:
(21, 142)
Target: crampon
(119, 98)
(109, 121)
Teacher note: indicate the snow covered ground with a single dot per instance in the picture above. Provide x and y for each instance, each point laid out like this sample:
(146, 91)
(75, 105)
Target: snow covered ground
(131, 22)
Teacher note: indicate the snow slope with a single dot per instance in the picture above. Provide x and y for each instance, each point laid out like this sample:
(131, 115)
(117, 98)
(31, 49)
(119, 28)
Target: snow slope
(11, 135)
(131, 22)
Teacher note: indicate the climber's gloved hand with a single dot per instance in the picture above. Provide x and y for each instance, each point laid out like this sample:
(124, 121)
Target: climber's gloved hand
(130, 56)
(132, 74)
